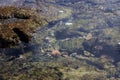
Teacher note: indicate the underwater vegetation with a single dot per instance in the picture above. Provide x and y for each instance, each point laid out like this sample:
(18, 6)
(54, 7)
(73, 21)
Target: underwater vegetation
(60, 40)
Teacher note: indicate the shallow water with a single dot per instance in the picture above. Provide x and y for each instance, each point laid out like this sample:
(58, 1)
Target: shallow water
(85, 41)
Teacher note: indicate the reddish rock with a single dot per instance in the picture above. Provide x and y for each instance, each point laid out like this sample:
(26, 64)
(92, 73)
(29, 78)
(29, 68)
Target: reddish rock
(55, 53)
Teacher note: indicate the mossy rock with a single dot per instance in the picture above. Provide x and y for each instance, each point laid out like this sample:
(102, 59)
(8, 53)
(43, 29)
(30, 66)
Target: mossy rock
(6, 12)
(46, 73)
(17, 25)
(22, 70)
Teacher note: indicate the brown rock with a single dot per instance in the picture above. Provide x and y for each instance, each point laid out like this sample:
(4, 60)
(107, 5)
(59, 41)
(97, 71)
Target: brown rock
(17, 25)
(55, 53)
(88, 36)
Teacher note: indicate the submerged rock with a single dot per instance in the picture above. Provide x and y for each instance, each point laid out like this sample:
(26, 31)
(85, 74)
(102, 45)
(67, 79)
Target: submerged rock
(17, 25)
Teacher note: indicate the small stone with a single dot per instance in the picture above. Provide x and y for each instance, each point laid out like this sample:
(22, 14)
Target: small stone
(55, 53)
(66, 56)
(21, 57)
(88, 54)
(68, 23)
(61, 11)
(73, 54)
(118, 43)
(88, 36)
